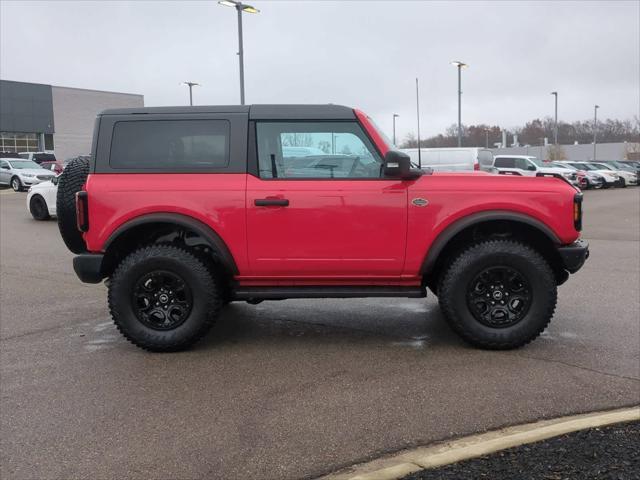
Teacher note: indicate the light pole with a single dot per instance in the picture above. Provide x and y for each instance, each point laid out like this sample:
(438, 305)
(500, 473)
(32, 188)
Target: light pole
(191, 85)
(555, 125)
(460, 66)
(486, 138)
(395, 115)
(240, 7)
(595, 129)
(418, 117)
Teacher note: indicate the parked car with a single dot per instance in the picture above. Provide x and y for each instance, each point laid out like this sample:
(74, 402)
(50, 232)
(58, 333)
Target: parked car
(20, 173)
(55, 167)
(452, 159)
(239, 223)
(527, 165)
(626, 177)
(41, 199)
(611, 178)
(622, 165)
(586, 179)
(38, 157)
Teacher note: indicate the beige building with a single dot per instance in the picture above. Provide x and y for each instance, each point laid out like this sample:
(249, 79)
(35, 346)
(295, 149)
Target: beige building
(37, 117)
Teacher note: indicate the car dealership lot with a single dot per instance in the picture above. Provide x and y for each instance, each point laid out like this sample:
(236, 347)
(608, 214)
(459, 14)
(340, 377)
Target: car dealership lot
(295, 390)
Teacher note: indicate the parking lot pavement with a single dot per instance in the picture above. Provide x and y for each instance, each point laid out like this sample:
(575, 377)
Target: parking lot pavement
(296, 388)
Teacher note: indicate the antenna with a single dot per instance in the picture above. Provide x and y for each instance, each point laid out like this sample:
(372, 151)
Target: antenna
(418, 113)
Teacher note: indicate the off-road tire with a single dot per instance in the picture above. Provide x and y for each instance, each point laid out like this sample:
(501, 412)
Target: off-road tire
(203, 284)
(38, 208)
(16, 184)
(69, 183)
(456, 279)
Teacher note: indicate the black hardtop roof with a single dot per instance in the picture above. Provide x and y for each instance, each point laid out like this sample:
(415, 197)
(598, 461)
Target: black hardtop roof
(255, 112)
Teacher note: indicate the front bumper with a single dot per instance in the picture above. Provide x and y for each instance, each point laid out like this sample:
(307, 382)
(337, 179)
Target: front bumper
(88, 267)
(574, 255)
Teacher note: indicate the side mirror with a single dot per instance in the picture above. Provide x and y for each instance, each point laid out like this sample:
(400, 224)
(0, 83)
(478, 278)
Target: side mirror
(531, 167)
(5, 167)
(398, 165)
(55, 180)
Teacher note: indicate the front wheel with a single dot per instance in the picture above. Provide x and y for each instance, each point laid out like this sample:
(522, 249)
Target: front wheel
(38, 208)
(163, 298)
(498, 294)
(16, 184)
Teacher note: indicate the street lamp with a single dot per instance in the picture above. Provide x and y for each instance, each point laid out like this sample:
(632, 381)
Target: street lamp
(555, 127)
(595, 129)
(240, 7)
(395, 115)
(460, 66)
(486, 138)
(191, 85)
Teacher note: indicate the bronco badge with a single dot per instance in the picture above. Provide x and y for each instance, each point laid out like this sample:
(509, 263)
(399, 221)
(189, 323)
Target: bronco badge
(420, 202)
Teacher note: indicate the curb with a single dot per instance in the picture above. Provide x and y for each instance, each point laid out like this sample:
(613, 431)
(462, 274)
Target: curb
(409, 461)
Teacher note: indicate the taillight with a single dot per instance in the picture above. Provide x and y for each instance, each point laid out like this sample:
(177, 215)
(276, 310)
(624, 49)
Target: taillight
(476, 166)
(577, 211)
(82, 211)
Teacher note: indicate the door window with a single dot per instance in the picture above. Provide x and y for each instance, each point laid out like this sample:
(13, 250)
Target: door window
(312, 150)
(522, 163)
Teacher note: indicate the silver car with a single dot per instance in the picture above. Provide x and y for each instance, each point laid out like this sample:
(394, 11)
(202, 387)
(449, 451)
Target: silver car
(21, 174)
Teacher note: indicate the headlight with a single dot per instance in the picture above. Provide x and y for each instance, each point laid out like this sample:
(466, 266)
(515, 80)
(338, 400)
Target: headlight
(28, 175)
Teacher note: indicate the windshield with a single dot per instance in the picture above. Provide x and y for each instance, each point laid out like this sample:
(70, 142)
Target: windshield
(535, 160)
(380, 132)
(563, 165)
(602, 166)
(584, 166)
(22, 164)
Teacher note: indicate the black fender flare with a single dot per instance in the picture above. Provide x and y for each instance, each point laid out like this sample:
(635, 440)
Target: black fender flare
(475, 219)
(213, 239)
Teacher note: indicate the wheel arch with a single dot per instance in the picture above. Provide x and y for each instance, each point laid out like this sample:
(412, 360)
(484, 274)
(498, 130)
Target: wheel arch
(142, 229)
(486, 224)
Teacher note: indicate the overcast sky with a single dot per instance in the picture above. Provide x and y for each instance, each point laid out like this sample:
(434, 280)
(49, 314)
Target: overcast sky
(357, 53)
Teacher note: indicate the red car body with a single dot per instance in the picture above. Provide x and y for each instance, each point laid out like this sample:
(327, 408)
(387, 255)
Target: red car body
(342, 232)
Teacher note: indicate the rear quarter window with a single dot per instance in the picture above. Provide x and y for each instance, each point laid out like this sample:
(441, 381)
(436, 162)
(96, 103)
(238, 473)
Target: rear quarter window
(504, 163)
(170, 145)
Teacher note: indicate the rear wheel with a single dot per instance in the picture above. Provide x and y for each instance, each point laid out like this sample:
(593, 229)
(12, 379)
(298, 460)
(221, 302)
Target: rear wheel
(499, 294)
(38, 208)
(163, 298)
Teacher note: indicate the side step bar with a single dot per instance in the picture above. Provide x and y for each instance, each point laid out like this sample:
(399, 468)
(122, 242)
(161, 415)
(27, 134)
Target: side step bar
(281, 293)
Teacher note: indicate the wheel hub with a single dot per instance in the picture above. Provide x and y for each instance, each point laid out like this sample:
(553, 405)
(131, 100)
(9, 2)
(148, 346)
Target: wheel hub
(499, 297)
(162, 300)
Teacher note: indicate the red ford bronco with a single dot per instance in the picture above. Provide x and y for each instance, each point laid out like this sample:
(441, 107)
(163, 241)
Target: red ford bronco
(186, 209)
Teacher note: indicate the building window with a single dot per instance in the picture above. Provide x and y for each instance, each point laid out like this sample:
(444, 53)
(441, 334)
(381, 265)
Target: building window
(19, 142)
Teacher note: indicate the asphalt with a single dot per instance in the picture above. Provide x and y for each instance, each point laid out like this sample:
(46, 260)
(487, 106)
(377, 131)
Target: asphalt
(607, 453)
(291, 389)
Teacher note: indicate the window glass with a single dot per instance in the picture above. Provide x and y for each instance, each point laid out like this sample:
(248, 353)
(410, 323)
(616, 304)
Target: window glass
(504, 163)
(170, 144)
(522, 163)
(315, 150)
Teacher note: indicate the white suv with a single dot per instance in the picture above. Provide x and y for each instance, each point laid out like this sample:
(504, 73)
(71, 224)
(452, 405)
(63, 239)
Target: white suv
(530, 166)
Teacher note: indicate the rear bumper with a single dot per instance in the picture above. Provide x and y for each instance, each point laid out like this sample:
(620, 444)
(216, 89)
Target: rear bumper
(574, 255)
(88, 267)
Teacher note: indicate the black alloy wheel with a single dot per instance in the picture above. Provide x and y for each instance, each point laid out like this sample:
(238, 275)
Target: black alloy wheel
(162, 300)
(38, 208)
(499, 297)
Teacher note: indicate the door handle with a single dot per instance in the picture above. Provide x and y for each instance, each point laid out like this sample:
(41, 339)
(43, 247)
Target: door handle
(271, 202)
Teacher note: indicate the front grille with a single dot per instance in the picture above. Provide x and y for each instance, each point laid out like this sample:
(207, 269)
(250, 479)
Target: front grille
(44, 177)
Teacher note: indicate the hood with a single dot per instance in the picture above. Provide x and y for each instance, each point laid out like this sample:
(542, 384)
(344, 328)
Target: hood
(561, 171)
(34, 171)
(43, 185)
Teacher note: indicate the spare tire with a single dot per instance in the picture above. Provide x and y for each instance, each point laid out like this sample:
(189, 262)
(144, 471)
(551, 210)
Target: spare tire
(69, 183)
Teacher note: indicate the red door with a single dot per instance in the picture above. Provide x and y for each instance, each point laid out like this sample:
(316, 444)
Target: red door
(318, 207)
(334, 228)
